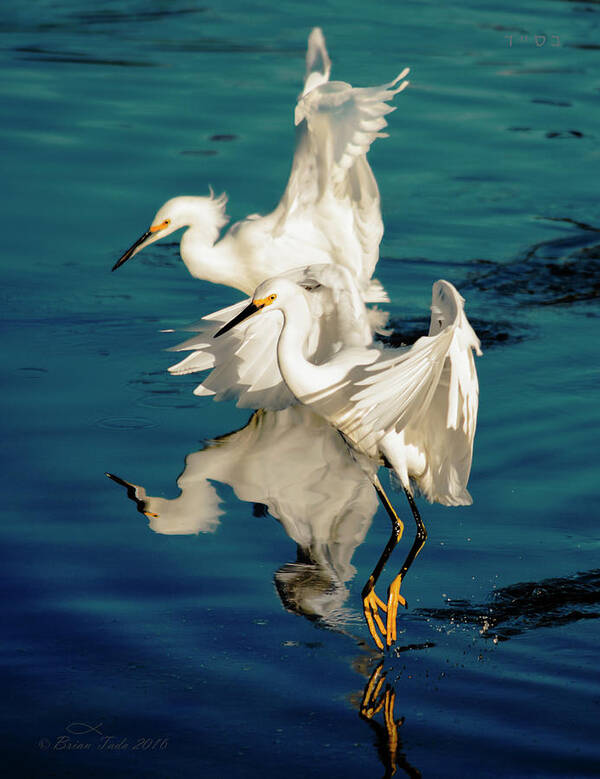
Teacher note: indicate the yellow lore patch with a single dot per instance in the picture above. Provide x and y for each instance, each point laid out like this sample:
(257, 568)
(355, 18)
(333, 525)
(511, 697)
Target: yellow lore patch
(161, 226)
(261, 302)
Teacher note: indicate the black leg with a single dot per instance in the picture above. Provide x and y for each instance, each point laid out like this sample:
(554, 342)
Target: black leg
(371, 601)
(397, 530)
(420, 538)
(394, 596)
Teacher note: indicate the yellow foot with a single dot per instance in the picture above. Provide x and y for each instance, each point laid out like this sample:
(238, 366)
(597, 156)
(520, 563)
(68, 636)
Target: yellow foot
(371, 605)
(394, 598)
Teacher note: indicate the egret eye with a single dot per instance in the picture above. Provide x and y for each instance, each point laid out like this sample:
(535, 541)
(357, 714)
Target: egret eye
(272, 297)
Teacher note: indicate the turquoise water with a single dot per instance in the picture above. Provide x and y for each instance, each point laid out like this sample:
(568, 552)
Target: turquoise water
(232, 651)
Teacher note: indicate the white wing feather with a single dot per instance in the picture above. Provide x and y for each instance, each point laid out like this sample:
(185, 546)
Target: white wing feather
(343, 121)
(244, 360)
(398, 390)
(331, 199)
(331, 182)
(445, 433)
(426, 397)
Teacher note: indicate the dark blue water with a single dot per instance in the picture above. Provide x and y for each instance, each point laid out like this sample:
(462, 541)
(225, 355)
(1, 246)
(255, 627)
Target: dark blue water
(229, 643)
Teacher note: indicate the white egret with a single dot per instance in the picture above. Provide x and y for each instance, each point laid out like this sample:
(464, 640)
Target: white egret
(330, 210)
(413, 409)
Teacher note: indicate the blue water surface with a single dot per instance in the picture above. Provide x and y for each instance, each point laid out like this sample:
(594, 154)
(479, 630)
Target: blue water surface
(227, 648)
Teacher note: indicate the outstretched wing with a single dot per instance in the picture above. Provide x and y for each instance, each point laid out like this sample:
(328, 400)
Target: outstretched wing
(429, 394)
(331, 183)
(244, 360)
(343, 121)
(445, 432)
(398, 390)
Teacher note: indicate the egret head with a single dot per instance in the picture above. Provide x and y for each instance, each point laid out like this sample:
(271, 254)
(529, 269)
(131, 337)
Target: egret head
(207, 213)
(271, 294)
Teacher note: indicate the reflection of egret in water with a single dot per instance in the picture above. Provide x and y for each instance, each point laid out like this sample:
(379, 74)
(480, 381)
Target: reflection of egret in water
(298, 466)
(325, 503)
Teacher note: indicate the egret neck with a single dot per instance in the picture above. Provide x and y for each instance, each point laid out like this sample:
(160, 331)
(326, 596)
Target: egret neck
(306, 380)
(217, 263)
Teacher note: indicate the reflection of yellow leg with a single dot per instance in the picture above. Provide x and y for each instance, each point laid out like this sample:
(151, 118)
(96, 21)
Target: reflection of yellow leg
(369, 706)
(391, 725)
(372, 703)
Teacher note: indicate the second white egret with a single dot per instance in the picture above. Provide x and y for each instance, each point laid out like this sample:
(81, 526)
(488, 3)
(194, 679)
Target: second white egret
(330, 211)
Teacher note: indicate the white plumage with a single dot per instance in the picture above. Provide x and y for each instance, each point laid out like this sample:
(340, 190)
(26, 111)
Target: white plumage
(415, 406)
(244, 360)
(329, 214)
(330, 210)
(324, 502)
(412, 409)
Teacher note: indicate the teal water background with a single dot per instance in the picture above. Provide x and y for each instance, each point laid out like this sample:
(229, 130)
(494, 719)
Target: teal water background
(489, 179)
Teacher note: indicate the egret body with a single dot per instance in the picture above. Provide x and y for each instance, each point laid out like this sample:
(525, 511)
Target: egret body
(413, 409)
(330, 210)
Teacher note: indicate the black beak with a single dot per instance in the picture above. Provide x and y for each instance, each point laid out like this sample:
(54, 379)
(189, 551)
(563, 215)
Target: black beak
(131, 250)
(248, 311)
(132, 494)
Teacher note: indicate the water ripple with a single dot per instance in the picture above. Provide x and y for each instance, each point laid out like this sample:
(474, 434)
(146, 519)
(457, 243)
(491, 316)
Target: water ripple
(527, 606)
(559, 271)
